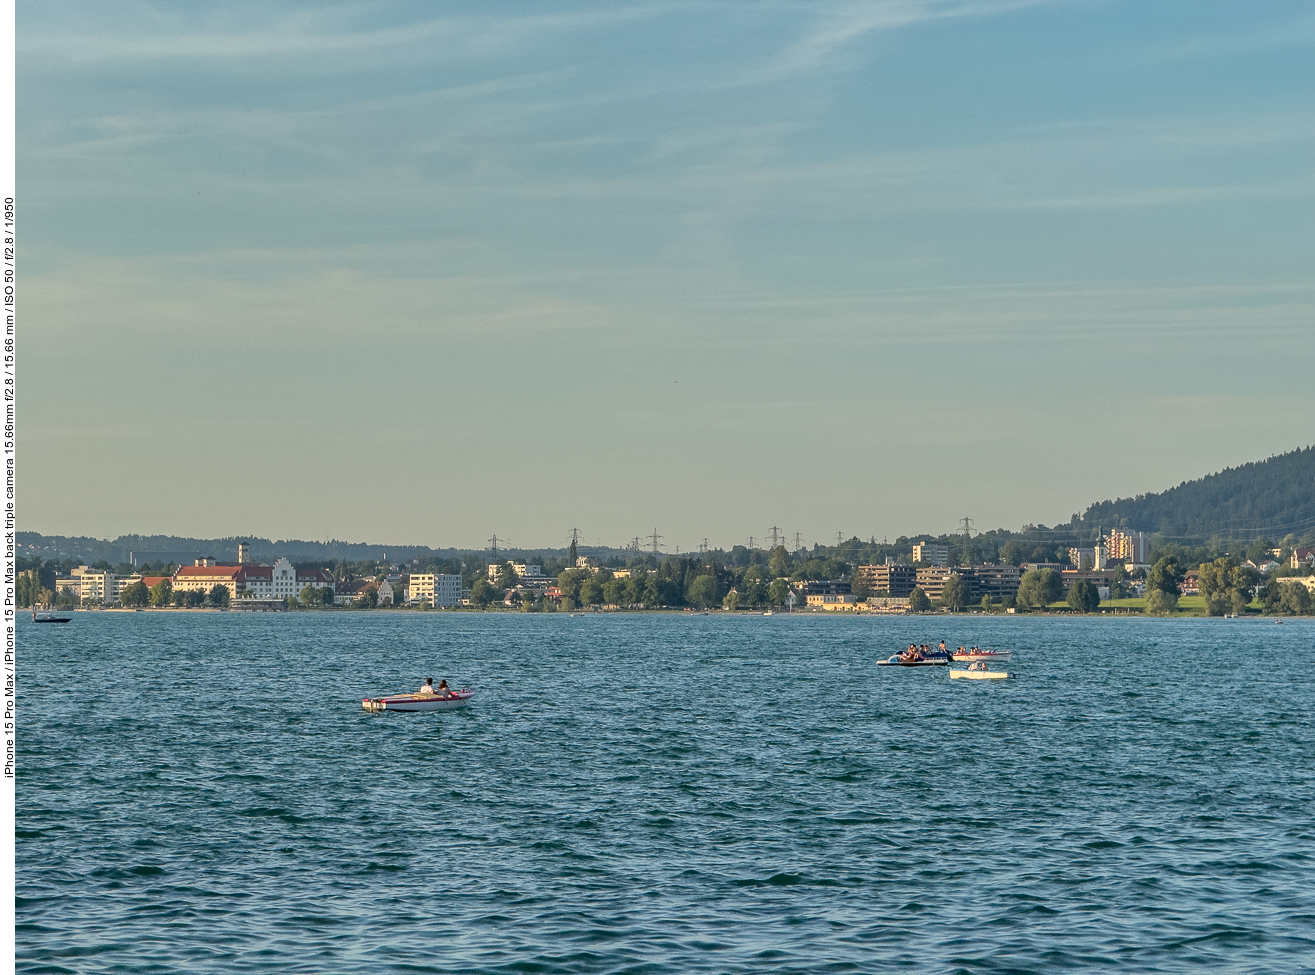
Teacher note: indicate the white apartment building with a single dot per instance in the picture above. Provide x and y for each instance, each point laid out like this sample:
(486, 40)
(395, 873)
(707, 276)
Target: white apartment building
(88, 584)
(931, 553)
(523, 571)
(434, 588)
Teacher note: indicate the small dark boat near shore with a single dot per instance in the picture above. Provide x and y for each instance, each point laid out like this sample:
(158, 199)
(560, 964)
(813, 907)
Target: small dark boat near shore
(49, 618)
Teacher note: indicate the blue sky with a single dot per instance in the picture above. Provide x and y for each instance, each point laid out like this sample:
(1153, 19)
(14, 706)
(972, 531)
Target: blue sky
(423, 272)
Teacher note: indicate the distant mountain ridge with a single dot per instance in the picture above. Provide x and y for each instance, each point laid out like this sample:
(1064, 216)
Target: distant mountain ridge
(1272, 497)
(179, 549)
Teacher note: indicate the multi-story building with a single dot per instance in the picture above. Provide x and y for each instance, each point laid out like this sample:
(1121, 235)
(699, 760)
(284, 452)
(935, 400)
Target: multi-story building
(251, 581)
(315, 578)
(434, 588)
(996, 581)
(99, 585)
(930, 553)
(895, 580)
(1082, 558)
(827, 587)
(931, 580)
(830, 601)
(1036, 566)
(345, 593)
(1129, 546)
(203, 578)
(523, 571)
(1097, 577)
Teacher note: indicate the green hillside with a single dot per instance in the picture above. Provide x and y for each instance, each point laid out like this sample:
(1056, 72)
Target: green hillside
(1273, 497)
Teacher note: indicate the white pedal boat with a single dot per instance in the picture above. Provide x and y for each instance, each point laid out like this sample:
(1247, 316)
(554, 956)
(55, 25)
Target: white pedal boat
(972, 658)
(978, 674)
(419, 702)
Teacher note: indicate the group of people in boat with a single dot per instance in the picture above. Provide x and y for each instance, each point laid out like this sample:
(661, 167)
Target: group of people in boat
(915, 652)
(442, 690)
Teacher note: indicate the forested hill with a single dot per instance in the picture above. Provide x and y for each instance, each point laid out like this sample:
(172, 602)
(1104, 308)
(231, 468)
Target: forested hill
(1271, 497)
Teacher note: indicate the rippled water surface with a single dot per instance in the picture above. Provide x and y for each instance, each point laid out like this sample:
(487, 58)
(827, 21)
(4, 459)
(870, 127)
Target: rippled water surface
(204, 793)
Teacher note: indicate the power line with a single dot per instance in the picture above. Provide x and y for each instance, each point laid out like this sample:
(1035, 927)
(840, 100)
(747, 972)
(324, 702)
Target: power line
(776, 536)
(655, 538)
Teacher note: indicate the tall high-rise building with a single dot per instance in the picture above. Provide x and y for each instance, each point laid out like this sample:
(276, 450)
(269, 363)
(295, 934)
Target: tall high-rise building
(931, 554)
(1129, 546)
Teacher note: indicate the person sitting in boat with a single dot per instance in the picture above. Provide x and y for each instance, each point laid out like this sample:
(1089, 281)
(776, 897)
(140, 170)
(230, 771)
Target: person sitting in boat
(980, 665)
(942, 646)
(429, 686)
(443, 690)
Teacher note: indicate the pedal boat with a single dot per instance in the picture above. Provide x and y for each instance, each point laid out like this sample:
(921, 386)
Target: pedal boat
(978, 674)
(988, 655)
(894, 661)
(419, 702)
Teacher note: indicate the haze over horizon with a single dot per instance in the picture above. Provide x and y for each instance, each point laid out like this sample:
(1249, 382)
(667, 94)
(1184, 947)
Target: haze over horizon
(371, 271)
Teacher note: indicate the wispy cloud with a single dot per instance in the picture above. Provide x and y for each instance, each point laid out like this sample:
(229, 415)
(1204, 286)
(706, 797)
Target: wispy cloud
(1296, 32)
(842, 26)
(311, 32)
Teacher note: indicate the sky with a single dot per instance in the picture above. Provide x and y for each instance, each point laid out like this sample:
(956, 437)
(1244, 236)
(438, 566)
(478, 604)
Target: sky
(422, 273)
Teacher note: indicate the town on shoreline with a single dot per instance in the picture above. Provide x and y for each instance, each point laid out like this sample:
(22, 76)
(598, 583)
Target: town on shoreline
(1123, 572)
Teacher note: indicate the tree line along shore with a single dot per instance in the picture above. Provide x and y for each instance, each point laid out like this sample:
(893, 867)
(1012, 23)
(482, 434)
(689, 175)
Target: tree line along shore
(1180, 581)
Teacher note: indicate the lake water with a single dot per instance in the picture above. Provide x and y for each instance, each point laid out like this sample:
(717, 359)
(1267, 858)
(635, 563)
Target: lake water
(651, 794)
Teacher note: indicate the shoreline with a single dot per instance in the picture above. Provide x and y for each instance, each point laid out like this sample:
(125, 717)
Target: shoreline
(680, 611)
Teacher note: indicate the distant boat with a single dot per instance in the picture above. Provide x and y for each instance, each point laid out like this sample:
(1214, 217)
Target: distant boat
(895, 661)
(979, 674)
(972, 656)
(419, 702)
(49, 618)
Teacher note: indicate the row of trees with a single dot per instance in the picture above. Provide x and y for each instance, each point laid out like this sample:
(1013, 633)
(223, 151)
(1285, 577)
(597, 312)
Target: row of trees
(164, 594)
(1037, 589)
(28, 590)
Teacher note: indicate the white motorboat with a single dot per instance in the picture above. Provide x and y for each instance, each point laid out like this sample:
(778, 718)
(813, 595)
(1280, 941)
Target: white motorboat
(978, 674)
(419, 702)
(973, 656)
